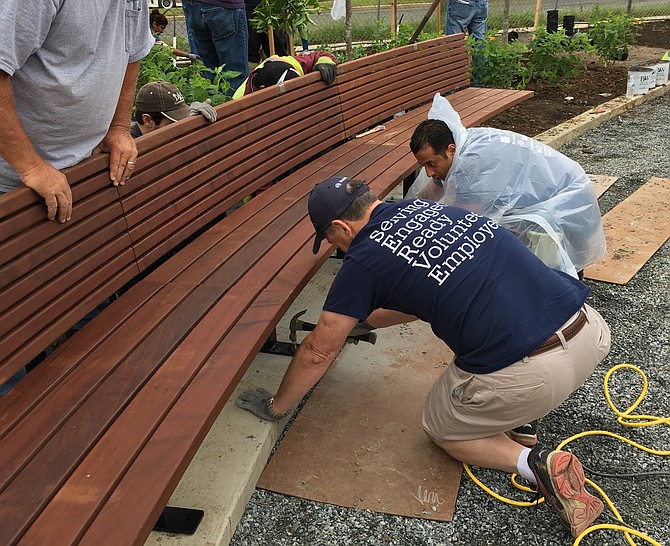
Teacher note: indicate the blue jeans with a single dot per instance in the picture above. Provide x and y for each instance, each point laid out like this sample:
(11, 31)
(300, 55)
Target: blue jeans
(191, 43)
(220, 36)
(467, 15)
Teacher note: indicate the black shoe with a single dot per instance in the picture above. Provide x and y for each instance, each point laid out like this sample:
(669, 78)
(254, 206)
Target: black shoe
(560, 479)
(526, 435)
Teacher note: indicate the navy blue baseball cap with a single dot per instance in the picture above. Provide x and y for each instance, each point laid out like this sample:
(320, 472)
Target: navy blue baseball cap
(327, 201)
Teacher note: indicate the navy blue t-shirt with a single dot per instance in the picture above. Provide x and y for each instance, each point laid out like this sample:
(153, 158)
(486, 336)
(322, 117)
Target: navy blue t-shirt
(489, 298)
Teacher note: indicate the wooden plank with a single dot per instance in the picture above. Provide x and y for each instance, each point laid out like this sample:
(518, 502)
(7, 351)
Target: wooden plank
(37, 331)
(634, 230)
(370, 61)
(601, 183)
(242, 131)
(91, 399)
(30, 272)
(126, 436)
(26, 228)
(184, 427)
(23, 398)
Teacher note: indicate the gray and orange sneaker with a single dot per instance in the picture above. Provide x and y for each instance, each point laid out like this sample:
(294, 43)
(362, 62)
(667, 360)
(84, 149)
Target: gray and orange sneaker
(560, 480)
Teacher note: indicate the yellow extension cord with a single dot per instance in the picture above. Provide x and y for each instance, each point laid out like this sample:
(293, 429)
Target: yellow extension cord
(625, 418)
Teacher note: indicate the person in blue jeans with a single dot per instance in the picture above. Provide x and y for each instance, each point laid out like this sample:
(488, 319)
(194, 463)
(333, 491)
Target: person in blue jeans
(467, 16)
(219, 30)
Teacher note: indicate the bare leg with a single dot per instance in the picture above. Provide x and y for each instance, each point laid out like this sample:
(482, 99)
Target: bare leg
(498, 452)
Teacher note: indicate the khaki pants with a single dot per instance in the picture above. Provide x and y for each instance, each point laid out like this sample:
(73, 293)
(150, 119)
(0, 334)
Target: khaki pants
(466, 406)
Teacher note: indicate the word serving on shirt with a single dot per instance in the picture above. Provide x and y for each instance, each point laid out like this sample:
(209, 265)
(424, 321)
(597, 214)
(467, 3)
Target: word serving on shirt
(423, 234)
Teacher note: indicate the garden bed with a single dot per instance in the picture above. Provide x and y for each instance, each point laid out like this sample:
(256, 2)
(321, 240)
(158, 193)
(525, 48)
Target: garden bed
(596, 84)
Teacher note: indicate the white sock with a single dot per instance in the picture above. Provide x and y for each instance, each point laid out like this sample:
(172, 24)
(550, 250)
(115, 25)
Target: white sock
(522, 465)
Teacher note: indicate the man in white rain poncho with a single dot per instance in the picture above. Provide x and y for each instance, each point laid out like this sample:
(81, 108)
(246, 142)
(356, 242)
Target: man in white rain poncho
(537, 193)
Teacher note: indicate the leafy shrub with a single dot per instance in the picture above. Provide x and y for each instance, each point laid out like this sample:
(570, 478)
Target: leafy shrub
(611, 33)
(552, 57)
(160, 65)
(494, 63)
(289, 16)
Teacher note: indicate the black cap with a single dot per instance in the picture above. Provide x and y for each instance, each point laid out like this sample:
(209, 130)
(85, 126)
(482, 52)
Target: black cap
(272, 72)
(327, 201)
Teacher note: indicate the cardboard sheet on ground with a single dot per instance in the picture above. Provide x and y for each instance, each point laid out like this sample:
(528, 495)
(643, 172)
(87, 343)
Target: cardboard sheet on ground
(634, 230)
(358, 441)
(601, 182)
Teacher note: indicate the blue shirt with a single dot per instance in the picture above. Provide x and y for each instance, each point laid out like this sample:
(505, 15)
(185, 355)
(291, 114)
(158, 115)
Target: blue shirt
(482, 291)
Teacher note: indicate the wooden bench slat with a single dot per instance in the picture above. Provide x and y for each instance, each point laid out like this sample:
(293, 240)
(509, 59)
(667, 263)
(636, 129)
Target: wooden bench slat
(242, 132)
(16, 404)
(183, 427)
(36, 332)
(32, 224)
(370, 61)
(162, 388)
(31, 490)
(29, 272)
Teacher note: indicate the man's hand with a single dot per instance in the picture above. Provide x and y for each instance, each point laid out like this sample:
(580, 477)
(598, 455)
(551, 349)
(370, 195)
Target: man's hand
(361, 329)
(122, 153)
(328, 72)
(51, 184)
(193, 57)
(207, 110)
(259, 402)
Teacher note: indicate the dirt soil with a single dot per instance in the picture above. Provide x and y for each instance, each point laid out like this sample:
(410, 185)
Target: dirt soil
(596, 84)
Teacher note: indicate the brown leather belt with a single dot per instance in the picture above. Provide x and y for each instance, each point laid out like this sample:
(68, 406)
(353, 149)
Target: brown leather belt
(571, 331)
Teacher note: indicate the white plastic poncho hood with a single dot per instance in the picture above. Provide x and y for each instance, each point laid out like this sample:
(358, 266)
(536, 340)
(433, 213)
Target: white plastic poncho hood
(539, 194)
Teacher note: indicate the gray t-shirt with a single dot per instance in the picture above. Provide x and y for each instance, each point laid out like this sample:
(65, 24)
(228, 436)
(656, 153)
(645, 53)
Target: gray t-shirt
(67, 60)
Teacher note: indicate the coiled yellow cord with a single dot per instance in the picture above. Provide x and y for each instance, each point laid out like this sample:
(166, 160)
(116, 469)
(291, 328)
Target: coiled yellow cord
(625, 418)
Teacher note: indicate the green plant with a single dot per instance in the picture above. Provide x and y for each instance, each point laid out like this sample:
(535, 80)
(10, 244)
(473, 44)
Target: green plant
(553, 57)
(611, 33)
(160, 65)
(494, 63)
(289, 16)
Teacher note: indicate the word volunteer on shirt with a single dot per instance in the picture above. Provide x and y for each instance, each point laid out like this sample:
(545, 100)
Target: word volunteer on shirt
(431, 240)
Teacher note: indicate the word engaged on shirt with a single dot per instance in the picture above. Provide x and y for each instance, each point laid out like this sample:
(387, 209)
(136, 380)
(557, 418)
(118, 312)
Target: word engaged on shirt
(423, 234)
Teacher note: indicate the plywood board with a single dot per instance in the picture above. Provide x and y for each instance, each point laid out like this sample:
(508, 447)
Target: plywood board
(358, 442)
(635, 229)
(601, 183)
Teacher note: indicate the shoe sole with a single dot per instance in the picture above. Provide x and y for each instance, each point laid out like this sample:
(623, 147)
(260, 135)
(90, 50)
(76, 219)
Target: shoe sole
(578, 508)
(526, 440)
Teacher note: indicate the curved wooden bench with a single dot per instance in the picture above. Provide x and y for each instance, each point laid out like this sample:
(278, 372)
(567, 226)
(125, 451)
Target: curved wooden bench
(96, 438)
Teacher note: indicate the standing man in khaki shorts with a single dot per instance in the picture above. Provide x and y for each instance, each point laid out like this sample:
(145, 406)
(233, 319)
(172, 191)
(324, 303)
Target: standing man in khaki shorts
(523, 337)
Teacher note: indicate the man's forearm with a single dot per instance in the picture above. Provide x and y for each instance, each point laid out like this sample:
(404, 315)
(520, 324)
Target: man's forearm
(303, 373)
(124, 106)
(382, 318)
(15, 146)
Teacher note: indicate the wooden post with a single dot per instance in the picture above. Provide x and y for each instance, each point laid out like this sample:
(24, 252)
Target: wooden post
(505, 28)
(271, 39)
(348, 37)
(538, 7)
(423, 22)
(438, 19)
(394, 19)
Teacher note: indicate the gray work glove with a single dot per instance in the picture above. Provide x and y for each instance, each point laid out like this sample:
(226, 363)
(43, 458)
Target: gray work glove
(207, 110)
(193, 57)
(259, 402)
(328, 72)
(361, 329)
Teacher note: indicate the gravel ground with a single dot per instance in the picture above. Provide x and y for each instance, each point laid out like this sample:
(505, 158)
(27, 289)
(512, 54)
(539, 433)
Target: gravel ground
(634, 147)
